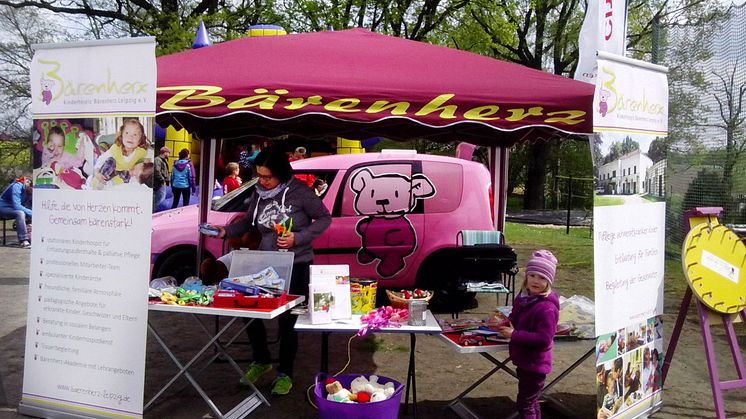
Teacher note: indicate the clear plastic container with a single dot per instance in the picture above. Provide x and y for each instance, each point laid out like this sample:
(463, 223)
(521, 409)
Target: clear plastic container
(417, 312)
(247, 262)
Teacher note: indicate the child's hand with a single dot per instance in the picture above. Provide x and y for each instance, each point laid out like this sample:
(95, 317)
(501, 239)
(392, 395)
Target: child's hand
(506, 331)
(286, 242)
(101, 178)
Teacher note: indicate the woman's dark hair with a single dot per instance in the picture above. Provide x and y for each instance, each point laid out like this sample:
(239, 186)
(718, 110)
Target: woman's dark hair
(184, 153)
(277, 162)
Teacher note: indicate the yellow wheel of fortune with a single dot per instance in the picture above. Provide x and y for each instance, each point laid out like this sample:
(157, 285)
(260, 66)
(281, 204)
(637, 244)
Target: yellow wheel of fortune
(714, 258)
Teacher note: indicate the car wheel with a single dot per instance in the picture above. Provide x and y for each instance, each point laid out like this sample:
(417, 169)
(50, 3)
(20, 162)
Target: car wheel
(179, 264)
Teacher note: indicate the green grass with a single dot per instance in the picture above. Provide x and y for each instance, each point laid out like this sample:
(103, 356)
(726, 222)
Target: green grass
(574, 249)
(370, 344)
(652, 198)
(575, 255)
(605, 201)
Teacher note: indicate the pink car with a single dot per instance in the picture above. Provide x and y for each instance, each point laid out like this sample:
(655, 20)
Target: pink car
(395, 218)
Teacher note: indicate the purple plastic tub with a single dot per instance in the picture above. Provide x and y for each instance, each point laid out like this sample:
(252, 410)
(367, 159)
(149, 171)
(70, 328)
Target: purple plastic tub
(386, 409)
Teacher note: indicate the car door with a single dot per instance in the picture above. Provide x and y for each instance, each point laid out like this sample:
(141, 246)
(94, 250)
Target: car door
(375, 224)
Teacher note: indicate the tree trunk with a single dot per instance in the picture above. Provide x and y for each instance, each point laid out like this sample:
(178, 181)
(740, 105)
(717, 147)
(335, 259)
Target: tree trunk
(536, 176)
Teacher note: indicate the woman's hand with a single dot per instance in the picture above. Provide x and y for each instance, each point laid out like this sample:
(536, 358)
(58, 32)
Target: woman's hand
(286, 242)
(221, 232)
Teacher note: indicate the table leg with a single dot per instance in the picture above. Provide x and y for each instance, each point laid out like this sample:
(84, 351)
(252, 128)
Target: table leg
(220, 350)
(325, 352)
(548, 398)
(184, 367)
(411, 377)
(221, 347)
(458, 406)
(569, 369)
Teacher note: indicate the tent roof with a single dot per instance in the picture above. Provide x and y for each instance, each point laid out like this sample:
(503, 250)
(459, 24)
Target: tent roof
(359, 84)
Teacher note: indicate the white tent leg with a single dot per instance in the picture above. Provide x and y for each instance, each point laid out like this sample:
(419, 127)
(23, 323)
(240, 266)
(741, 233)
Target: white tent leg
(499, 175)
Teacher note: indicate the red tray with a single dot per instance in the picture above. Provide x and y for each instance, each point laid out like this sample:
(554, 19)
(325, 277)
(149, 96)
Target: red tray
(236, 299)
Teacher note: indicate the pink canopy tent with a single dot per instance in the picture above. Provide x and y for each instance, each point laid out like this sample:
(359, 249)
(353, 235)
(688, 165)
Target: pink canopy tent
(358, 84)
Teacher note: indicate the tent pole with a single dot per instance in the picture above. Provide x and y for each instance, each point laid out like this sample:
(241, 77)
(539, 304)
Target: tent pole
(499, 175)
(206, 180)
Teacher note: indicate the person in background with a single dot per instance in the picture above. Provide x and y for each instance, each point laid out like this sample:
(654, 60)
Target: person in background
(280, 200)
(531, 328)
(232, 180)
(182, 178)
(246, 161)
(319, 186)
(11, 206)
(300, 154)
(161, 177)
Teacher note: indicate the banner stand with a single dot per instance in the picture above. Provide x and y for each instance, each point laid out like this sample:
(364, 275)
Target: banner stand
(55, 412)
(694, 218)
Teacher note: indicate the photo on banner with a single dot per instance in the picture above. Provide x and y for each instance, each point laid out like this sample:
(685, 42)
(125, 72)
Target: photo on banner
(630, 121)
(93, 153)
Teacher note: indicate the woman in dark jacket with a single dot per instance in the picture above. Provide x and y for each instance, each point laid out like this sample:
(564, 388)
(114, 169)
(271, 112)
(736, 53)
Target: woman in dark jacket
(281, 199)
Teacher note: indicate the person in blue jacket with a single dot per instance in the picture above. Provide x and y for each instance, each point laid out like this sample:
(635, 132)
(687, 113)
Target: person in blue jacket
(182, 179)
(11, 206)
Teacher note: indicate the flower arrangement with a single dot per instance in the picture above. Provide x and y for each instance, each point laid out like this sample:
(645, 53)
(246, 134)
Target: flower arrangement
(284, 228)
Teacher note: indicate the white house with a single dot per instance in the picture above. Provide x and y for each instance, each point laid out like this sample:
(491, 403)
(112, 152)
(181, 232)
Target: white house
(625, 175)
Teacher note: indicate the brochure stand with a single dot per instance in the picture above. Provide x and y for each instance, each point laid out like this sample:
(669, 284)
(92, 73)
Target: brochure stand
(713, 259)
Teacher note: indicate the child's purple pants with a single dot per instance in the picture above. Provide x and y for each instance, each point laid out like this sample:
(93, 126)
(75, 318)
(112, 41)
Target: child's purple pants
(530, 385)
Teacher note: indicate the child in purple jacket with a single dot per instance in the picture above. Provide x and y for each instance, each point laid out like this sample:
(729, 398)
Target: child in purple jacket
(533, 323)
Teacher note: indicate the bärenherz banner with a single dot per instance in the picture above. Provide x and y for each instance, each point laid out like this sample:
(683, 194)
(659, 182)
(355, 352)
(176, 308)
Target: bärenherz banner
(630, 114)
(629, 98)
(93, 106)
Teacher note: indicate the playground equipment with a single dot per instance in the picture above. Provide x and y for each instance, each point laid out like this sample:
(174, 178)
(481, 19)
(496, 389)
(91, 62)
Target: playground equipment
(713, 258)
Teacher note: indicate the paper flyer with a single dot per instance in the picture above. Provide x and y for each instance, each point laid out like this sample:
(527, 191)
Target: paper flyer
(337, 277)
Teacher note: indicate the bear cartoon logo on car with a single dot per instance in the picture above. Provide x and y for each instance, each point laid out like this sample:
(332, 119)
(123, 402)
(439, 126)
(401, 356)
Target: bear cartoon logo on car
(386, 233)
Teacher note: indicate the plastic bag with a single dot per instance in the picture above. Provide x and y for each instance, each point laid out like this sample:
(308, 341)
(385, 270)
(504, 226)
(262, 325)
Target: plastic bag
(579, 314)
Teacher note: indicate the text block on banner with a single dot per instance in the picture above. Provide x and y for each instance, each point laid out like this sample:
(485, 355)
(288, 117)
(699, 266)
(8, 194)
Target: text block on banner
(92, 211)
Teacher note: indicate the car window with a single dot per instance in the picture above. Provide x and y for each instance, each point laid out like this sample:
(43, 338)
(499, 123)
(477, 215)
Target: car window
(380, 173)
(447, 178)
(319, 180)
(234, 201)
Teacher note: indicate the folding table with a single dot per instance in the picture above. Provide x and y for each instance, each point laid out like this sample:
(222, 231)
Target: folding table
(256, 398)
(458, 405)
(353, 325)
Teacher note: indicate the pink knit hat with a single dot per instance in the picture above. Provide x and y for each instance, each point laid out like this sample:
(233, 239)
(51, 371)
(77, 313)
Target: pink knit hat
(542, 262)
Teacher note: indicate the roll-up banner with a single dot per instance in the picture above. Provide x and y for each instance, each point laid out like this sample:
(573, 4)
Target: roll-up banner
(93, 105)
(630, 115)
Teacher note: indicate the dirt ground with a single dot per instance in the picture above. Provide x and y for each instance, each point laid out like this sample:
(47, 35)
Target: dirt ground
(441, 372)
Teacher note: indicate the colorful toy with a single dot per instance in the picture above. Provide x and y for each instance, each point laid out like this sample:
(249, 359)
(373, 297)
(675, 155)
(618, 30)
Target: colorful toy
(377, 391)
(337, 393)
(383, 317)
(362, 390)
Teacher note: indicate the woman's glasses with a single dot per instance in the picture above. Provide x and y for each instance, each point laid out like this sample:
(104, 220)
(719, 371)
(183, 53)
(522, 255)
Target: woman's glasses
(265, 178)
